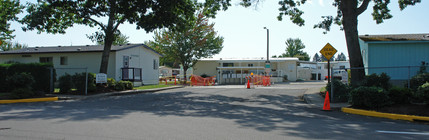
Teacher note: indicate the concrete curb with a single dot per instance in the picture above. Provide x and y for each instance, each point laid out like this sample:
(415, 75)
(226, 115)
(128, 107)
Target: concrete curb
(29, 100)
(384, 115)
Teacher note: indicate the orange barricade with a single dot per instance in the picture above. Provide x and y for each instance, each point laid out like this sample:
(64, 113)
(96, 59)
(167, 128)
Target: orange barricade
(258, 80)
(200, 81)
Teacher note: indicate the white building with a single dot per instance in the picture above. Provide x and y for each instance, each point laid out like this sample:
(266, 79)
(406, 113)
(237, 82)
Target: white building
(130, 62)
(234, 71)
(321, 69)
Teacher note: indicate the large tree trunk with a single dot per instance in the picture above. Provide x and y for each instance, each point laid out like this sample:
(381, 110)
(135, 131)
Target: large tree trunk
(108, 41)
(350, 24)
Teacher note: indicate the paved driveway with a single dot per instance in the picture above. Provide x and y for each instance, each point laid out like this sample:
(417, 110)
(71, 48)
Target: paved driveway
(220, 112)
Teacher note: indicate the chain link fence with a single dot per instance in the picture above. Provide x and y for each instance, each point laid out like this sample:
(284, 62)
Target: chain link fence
(69, 81)
(400, 76)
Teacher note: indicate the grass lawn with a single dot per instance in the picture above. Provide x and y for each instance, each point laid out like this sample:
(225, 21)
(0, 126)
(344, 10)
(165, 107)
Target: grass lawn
(323, 89)
(152, 86)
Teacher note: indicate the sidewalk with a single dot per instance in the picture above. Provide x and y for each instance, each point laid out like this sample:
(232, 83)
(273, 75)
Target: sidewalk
(117, 93)
(312, 97)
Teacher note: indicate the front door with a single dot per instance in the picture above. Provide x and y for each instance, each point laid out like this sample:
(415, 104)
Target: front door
(126, 64)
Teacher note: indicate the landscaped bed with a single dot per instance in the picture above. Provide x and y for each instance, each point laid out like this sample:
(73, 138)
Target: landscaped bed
(377, 94)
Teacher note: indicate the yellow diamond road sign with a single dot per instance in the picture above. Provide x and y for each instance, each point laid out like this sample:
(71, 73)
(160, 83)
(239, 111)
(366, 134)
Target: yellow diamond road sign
(328, 51)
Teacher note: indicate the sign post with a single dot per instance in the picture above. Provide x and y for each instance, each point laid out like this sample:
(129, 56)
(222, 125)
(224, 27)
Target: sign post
(328, 51)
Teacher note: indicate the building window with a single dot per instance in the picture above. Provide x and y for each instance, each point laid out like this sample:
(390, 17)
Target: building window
(228, 64)
(63, 60)
(155, 64)
(342, 67)
(45, 59)
(250, 65)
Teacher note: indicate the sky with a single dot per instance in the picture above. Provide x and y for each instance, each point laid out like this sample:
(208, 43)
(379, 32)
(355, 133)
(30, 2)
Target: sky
(244, 33)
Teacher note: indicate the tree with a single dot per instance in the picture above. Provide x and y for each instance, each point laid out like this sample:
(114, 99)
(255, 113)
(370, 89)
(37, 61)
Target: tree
(341, 57)
(8, 11)
(98, 37)
(55, 16)
(7, 46)
(188, 43)
(165, 60)
(316, 58)
(294, 48)
(347, 17)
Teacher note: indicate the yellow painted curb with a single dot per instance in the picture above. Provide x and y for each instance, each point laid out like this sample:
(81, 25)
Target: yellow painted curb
(384, 115)
(29, 100)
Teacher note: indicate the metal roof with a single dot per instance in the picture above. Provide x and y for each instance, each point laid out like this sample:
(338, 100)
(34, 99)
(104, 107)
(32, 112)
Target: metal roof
(74, 49)
(396, 37)
(249, 59)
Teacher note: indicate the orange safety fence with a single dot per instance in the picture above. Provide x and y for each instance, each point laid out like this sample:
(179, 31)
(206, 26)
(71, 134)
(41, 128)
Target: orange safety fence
(200, 81)
(259, 80)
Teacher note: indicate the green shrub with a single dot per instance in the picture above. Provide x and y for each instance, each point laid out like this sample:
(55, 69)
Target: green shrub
(21, 93)
(341, 91)
(418, 80)
(39, 71)
(368, 97)
(3, 73)
(375, 80)
(423, 92)
(111, 83)
(65, 83)
(124, 85)
(399, 95)
(20, 80)
(78, 80)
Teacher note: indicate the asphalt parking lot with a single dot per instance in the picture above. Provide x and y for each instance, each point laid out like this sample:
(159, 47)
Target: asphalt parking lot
(218, 112)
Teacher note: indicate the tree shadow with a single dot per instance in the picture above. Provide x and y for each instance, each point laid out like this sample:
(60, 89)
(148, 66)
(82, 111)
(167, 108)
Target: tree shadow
(280, 113)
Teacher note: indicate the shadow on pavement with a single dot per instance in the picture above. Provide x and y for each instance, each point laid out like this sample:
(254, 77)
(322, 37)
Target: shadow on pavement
(283, 113)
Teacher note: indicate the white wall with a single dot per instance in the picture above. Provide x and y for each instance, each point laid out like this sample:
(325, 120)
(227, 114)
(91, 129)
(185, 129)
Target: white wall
(90, 60)
(206, 67)
(140, 58)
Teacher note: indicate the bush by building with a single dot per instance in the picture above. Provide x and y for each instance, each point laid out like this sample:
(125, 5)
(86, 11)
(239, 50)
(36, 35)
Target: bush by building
(368, 98)
(123, 85)
(418, 80)
(399, 95)
(341, 91)
(423, 92)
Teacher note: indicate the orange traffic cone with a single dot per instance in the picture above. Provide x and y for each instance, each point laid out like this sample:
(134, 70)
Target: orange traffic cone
(326, 105)
(248, 84)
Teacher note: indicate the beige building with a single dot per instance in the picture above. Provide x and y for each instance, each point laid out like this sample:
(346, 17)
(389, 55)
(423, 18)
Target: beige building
(234, 71)
(130, 62)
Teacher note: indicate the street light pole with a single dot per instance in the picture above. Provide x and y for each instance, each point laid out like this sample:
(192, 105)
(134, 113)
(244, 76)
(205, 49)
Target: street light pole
(268, 44)
(267, 63)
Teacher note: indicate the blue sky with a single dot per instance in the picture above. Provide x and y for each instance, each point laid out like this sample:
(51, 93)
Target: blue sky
(244, 36)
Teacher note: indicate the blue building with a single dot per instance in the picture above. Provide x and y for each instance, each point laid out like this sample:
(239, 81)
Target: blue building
(398, 55)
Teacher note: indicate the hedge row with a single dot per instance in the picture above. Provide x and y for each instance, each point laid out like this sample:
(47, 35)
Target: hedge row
(375, 91)
(39, 71)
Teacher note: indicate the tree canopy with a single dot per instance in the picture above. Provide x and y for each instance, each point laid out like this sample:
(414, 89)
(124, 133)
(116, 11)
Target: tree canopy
(8, 11)
(98, 37)
(55, 16)
(188, 43)
(294, 48)
(347, 18)
(7, 46)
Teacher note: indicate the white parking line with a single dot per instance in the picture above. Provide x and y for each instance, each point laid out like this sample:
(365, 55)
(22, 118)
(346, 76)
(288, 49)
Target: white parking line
(399, 132)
